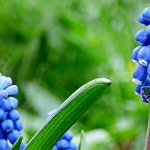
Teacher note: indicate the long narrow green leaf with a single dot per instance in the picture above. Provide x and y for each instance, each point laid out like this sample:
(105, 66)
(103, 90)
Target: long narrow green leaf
(16, 146)
(82, 145)
(67, 114)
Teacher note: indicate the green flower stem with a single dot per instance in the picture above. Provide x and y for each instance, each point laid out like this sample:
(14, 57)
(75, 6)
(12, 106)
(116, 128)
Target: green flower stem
(147, 143)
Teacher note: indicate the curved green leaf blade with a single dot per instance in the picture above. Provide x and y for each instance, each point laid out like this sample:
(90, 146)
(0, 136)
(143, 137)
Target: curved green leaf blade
(82, 145)
(67, 114)
(16, 146)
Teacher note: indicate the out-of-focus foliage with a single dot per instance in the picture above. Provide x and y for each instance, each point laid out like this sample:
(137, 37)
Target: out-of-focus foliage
(51, 48)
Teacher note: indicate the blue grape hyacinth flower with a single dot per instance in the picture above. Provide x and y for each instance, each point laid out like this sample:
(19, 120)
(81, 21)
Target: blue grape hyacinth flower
(141, 56)
(10, 124)
(65, 142)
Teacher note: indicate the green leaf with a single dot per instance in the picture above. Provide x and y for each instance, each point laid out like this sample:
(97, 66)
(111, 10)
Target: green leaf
(17, 144)
(82, 145)
(67, 114)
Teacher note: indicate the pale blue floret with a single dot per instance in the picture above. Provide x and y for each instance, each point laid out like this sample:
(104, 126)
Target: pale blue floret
(62, 144)
(146, 13)
(7, 125)
(4, 145)
(18, 125)
(13, 115)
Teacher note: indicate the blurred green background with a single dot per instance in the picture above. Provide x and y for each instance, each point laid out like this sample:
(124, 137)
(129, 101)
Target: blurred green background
(50, 48)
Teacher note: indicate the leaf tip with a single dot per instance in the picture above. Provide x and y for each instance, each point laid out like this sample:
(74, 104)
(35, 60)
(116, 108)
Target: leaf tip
(109, 82)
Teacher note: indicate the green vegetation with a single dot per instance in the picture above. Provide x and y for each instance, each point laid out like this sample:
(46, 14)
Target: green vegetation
(51, 48)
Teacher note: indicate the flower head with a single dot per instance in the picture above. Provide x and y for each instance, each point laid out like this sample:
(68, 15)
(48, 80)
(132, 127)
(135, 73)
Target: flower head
(10, 125)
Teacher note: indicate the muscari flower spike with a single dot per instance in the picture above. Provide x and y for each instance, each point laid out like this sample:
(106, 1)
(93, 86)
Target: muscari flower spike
(65, 142)
(10, 125)
(141, 56)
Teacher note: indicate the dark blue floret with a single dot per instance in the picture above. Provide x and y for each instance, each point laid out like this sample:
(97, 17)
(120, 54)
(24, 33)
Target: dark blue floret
(143, 21)
(139, 74)
(144, 55)
(142, 37)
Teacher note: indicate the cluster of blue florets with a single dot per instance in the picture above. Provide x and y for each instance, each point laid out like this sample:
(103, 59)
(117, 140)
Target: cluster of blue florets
(10, 125)
(64, 142)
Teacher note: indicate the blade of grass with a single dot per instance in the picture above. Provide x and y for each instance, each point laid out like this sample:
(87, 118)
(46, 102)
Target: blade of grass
(82, 145)
(67, 114)
(17, 145)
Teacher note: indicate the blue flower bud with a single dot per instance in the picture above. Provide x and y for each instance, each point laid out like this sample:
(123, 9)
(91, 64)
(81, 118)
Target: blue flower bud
(13, 102)
(7, 82)
(13, 136)
(13, 115)
(62, 144)
(12, 90)
(144, 55)
(139, 74)
(146, 13)
(2, 114)
(68, 136)
(23, 145)
(142, 37)
(143, 21)
(135, 54)
(3, 144)
(73, 146)
(10, 104)
(7, 125)
(18, 125)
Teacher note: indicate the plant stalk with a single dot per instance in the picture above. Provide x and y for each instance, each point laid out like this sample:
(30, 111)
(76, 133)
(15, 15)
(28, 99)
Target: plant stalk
(147, 144)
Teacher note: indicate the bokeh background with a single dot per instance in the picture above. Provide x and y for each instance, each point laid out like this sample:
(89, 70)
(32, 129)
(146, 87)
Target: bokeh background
(50, 48)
